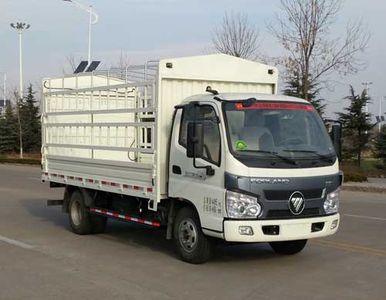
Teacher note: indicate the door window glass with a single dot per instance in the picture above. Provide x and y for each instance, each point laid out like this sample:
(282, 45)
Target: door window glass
(212, 141)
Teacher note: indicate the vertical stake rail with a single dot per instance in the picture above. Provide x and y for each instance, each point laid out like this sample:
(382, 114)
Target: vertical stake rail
(126, 103)
(43, 133)
(137, 119)
(76, 93)
(63, 95)
(91, 106)
(99, 99)
(155, 145)
(108, 98)
(92, 135)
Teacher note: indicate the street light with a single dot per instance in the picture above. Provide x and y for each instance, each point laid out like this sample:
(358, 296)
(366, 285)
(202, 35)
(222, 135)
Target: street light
(380, 113)
(93, 19)
(4, 93)
(367, 95)
(20, 28)
(4, 86)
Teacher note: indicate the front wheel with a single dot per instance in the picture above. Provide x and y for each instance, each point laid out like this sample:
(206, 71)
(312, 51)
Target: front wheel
(288, 247)
(192, 245)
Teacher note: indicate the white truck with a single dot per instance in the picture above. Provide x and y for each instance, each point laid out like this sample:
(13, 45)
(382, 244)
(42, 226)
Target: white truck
(200, 146)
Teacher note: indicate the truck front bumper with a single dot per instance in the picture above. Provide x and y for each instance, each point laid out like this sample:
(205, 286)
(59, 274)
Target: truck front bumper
(280, 230)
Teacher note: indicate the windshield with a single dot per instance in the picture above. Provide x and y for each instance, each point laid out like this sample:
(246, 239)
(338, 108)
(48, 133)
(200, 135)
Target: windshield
(278, 130)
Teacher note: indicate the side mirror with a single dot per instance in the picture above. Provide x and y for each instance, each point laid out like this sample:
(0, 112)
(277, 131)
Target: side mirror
(195, 140)
(336, 137)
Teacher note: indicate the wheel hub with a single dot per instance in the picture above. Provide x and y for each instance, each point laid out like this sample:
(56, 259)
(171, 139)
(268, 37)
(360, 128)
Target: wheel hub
(76, 214)
(188, 235)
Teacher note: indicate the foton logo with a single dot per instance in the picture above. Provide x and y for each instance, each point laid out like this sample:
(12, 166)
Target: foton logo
(296, 203)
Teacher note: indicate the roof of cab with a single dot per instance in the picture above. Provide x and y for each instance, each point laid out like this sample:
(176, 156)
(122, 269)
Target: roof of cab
(244, 96)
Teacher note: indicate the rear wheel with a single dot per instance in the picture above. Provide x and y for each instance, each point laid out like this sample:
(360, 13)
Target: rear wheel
(81, 221)
(191, 244)
(288, 247)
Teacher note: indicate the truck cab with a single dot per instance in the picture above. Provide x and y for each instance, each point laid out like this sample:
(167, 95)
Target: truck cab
(257, 168)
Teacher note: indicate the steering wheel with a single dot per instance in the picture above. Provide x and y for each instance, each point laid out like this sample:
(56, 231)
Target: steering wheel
(292, 141)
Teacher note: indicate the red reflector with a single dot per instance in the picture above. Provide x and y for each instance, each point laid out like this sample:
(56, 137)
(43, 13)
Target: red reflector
(275, 105)
(150, 190)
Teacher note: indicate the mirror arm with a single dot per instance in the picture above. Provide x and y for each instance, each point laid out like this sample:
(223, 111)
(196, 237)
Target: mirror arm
(209, 170)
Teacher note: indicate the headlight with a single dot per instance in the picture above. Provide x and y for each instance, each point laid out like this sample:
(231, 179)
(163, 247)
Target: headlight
(242, 206)
(331, 204)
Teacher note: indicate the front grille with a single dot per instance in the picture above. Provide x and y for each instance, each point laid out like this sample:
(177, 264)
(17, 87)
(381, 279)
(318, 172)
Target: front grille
(286, 213)
(280, 195)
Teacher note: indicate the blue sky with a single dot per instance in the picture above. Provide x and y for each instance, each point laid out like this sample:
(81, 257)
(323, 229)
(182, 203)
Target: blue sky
(146, 29)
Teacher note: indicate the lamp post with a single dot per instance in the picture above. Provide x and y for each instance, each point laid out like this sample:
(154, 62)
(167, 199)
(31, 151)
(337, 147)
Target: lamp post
(367, 84)
(4, 86)
(20, 28)
(4, 93)
(380, 112)
(93, 19)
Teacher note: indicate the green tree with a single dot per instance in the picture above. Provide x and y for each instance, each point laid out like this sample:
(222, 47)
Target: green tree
(30, 122)
(8, 131)
(356, 125)
(381, 145)
(294, 87)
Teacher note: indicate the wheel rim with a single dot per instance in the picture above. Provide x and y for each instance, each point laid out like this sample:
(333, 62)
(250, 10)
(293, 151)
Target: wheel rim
(76, 213)
(187, 234)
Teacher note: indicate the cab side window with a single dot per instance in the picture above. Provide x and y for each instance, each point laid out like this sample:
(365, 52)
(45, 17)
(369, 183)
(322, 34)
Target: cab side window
(212, 139)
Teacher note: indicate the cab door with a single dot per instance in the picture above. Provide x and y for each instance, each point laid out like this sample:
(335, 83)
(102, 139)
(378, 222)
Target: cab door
(190, 183)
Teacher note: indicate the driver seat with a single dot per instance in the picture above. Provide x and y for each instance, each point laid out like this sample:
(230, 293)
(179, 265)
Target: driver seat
(257, 138)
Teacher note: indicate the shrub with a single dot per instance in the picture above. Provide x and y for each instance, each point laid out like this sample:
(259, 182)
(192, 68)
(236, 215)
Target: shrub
(354, 177)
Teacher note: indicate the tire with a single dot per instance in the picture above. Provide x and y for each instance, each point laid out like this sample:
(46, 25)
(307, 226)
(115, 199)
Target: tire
(288, 247)
(80, 219)
(191, 243)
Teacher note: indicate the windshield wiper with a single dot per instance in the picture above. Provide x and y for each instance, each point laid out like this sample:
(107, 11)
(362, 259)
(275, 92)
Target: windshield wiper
(284, 158)
(321, 156)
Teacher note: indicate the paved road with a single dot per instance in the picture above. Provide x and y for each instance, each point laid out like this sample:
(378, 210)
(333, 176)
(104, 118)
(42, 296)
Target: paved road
(41, 259)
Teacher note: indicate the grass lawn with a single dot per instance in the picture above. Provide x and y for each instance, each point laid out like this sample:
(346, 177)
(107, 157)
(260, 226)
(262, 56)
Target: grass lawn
(28, 158)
